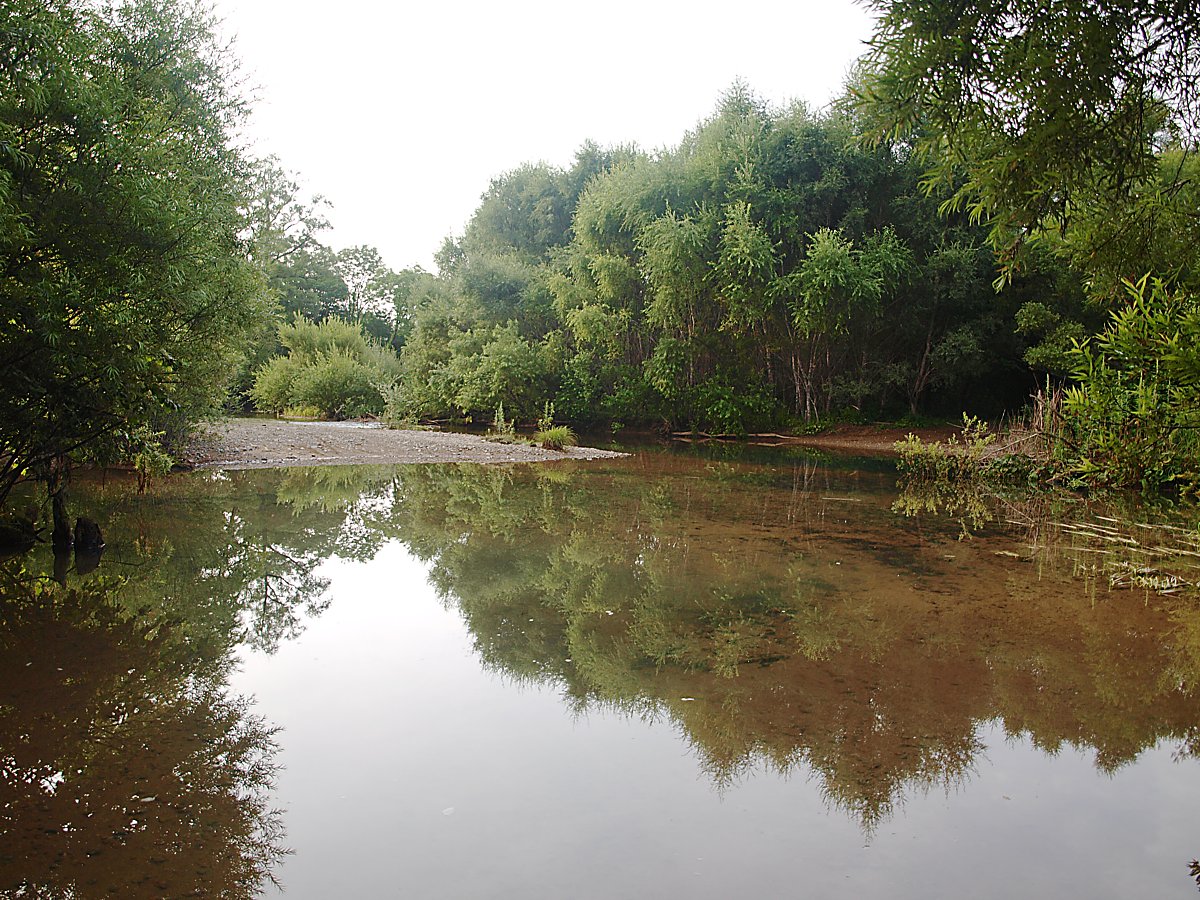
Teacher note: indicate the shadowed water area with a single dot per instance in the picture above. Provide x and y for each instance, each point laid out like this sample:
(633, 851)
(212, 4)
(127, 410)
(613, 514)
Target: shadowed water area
(669, 675)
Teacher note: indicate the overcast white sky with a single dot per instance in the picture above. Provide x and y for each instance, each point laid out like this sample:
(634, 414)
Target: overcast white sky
(402, 113)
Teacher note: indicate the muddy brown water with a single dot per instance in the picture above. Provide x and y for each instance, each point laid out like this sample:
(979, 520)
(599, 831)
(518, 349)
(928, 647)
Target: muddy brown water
(670, 675)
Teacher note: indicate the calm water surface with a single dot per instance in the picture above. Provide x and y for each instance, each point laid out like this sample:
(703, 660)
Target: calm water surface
(673, 675)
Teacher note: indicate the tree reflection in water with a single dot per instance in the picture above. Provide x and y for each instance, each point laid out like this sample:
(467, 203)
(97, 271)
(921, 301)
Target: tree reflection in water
(791, 620)
(126, 768)
(782, 616)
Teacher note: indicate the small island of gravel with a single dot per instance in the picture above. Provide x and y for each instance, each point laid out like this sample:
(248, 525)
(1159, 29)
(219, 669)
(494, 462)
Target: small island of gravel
(275, 443)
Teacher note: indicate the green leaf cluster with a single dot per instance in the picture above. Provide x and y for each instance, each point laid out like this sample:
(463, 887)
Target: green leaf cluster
(767, 269)
(331, 367)
(1071, 126)
(1048, 120)
(1131, 415)
(125, 288)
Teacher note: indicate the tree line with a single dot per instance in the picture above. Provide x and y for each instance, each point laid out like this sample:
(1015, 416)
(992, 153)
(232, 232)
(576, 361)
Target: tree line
(767, 272)
(145, 256)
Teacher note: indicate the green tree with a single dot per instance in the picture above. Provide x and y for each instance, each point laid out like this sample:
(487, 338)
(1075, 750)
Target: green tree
(282, 224)
(331, 368)
(309, 284)
(1037, 114)
(125, 290)
(1132, 419)
(504, 369)
(411, 290)
(768, 267)
(1075, 125)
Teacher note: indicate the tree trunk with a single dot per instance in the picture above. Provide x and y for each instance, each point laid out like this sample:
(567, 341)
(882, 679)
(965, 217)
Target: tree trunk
(62, 565)
(58, 474)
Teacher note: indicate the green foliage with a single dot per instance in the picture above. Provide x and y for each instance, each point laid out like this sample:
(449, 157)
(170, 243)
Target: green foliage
(956, 459)
(1074, 127)
(309, 280)
(1039, 115)
(946, 476)
(723, 406)
(499, 366)
(557, 437)
(767, 269)
(339, 385)
(1131, 417)
(395, 414)
(150, 461)
(125, 289)
(331, 367)
(283, 225)
(745, 266)
(502, 429)
(1056, 335)
(838, 282)
(273, 383)
(304, 412)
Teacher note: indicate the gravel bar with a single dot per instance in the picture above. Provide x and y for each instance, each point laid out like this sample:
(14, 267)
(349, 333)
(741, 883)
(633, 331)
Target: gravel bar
(276, 443)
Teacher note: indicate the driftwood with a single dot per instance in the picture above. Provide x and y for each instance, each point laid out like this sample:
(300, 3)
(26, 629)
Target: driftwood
(704, 435)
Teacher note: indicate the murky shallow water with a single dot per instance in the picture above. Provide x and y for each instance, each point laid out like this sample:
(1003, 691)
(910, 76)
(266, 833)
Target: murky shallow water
(664, 676)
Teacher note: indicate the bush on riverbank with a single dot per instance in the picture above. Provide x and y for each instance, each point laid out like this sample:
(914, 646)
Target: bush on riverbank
(560, 437)
(1131, 419)
(1128, 419)
(331, 368)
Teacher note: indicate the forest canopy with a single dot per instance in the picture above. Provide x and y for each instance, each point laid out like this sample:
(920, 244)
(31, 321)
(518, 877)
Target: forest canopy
(1074, 127)
(768, 270)
(1052, 117)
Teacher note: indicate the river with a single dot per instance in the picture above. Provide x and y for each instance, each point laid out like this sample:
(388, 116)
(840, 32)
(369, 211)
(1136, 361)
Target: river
(707, 673)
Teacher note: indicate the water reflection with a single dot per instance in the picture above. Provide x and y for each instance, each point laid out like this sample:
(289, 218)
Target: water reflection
(235, 558)
(789, 620)
(782, 617)
(126, 767)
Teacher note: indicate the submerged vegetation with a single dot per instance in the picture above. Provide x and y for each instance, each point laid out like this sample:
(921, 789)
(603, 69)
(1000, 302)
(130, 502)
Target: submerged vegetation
(1111, 546)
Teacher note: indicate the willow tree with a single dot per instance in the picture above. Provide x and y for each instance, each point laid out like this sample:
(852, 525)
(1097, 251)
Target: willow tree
(124, 287)
(1048, 117)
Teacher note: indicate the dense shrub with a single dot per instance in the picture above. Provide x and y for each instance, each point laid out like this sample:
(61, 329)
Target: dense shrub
(1131, 418)
(340, 386)
(560, 437)
(331, 367)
